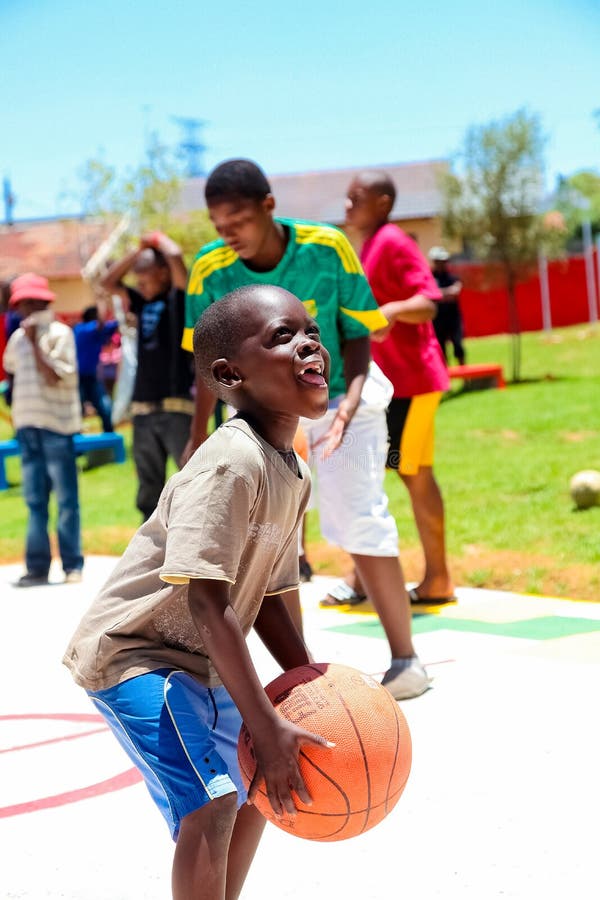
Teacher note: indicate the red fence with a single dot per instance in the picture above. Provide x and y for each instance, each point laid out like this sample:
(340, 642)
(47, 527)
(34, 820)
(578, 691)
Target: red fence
(484, 302)
(2, 344)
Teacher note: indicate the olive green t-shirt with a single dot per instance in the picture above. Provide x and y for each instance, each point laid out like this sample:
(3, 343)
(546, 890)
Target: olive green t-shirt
(231, 514)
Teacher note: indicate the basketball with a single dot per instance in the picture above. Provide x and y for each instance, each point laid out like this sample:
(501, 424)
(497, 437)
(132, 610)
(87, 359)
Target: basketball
(301, 444)
(585, 488)
(355, 784)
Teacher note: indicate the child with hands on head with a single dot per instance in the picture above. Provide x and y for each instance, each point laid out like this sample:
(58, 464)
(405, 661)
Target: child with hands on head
(162, 650)
(161, 401)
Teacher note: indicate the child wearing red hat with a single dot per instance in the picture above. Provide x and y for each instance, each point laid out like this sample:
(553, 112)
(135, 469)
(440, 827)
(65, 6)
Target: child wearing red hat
(46, 414)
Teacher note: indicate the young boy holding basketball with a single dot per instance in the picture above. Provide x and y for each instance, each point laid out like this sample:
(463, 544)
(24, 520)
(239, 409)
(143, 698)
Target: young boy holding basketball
(162, 650)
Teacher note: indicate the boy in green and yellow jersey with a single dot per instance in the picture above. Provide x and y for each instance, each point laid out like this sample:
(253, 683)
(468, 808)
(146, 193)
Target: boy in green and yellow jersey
(313, 257)
(317, 263)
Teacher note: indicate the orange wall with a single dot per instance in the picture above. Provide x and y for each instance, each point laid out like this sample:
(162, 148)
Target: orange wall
(427, 233)
(72, 295)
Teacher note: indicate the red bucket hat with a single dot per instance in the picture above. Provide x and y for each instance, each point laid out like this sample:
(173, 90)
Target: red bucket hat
(30, 287)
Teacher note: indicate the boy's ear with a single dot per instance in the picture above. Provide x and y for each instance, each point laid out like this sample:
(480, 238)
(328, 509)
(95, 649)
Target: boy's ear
(225, 374)
(385, 204)
(268, 204)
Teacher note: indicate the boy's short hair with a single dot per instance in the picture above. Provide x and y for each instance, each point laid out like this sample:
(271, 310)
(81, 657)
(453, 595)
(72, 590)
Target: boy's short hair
(379, 182)
(221, 329)
(89, 314)
(236, 179)
(148, 258)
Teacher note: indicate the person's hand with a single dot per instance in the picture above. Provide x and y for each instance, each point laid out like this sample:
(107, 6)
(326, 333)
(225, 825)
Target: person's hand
(332, 438)
(382, 333)
(150, 240)
(29, 326)
(159, 241)
(276, 753)
(388, 310)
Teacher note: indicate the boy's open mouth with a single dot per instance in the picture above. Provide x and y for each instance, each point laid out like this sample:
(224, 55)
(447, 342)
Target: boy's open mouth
(312, 374)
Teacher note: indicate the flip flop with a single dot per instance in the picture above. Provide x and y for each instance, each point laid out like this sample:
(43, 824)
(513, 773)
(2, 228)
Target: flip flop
(342, 594)
(429, 601)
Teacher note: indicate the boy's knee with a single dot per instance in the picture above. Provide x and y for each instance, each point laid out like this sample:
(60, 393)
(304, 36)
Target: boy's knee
(420, 480)
(217, 818)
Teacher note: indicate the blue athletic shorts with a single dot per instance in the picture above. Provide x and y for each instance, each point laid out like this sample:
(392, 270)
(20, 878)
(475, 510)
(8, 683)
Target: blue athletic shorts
(181, 735)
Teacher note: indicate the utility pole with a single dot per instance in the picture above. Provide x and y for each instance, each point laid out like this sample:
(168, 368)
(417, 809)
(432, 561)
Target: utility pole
(588, 253)
(191, 146)
(9, 201)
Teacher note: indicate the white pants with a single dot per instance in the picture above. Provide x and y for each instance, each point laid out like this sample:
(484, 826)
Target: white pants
(348, 487)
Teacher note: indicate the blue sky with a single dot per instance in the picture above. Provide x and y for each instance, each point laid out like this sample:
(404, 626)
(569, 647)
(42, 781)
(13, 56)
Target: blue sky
(303, 86)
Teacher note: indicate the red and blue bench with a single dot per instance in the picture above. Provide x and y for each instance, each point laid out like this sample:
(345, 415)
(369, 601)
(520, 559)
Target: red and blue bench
(486, 371)
(84, 443)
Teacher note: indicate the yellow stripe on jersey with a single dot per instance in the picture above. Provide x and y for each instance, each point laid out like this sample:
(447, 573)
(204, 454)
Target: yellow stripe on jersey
(311, 308)
(329, 237)
(372, 319)
(219, 258)
(187, 339)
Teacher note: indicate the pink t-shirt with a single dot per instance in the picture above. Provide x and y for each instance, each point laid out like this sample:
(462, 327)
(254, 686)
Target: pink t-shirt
(396, 270)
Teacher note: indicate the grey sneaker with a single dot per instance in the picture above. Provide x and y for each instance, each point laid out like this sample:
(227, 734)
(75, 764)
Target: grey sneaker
(410, 681)
(73, 576)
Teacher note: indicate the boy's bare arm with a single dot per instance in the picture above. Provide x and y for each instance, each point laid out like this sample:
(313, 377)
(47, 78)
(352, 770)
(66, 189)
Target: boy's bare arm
(278, 633)
(276, 741)
(42, 364)
(223, 638)
(105, 310)
(112, 280)
(413, 311)
(60, 365)
(451, 292)
(357, 356)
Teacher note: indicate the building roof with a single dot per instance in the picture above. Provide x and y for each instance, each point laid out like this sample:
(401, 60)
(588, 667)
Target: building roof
(56, 248)
(319, 196)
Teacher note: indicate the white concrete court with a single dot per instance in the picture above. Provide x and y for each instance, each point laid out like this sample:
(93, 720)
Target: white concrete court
(503, 800)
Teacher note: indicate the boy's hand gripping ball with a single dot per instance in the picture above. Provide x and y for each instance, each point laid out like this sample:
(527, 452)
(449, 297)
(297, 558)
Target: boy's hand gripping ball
(355, 784)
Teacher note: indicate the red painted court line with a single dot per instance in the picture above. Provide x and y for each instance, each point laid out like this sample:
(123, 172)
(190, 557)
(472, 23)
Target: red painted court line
(62, 717)
(117, 783)
(56, 740)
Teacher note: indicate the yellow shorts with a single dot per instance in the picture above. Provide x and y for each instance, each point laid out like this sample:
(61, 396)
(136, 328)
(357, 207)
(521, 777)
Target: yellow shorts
(411, 432)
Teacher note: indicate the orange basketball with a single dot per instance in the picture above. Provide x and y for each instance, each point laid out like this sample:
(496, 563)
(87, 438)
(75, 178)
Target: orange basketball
(301, 444)
(355, 784)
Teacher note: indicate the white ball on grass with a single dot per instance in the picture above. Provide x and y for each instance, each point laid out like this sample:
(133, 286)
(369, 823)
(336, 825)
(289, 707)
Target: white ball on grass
(585, 488)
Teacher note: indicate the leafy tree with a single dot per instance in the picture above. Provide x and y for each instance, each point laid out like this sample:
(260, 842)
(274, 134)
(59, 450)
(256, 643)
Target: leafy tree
(97, 184)
(492, 202)
(147, 195)
(578, 199)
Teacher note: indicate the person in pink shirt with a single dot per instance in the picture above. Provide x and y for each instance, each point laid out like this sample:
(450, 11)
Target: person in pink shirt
(409, 355)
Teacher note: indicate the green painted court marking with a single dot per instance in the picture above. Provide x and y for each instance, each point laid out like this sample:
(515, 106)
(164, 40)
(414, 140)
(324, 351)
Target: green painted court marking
(544, 628)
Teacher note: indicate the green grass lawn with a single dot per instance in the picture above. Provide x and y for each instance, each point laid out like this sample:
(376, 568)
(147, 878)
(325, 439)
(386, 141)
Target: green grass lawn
(503, 459)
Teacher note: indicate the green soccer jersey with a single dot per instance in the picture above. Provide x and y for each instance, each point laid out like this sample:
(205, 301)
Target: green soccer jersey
(319, 266)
